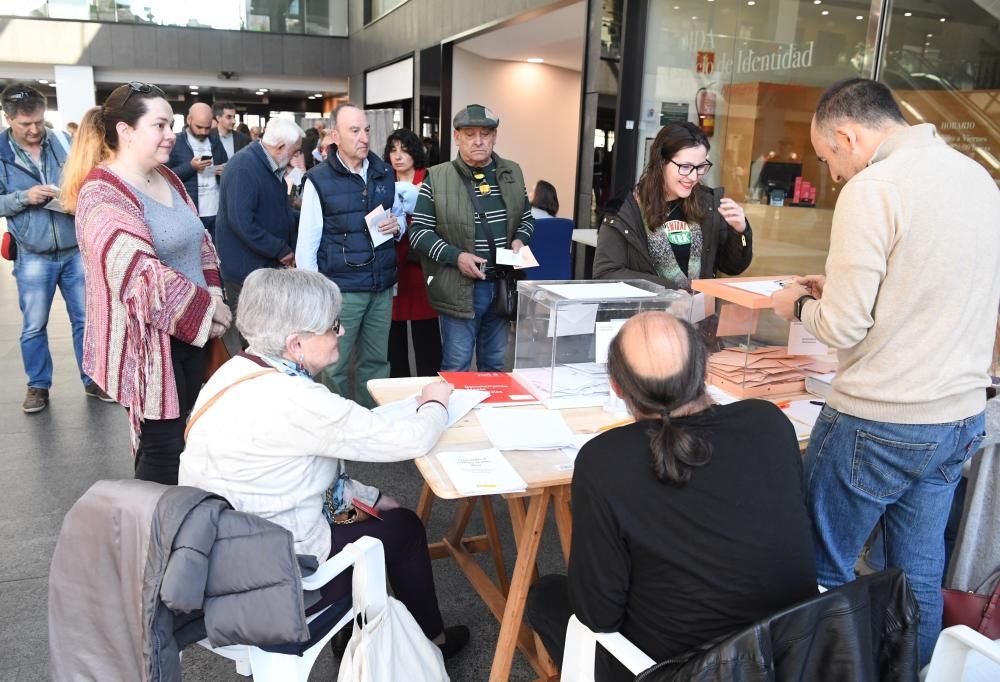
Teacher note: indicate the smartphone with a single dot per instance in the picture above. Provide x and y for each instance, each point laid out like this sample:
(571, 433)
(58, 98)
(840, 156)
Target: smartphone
(205, 157)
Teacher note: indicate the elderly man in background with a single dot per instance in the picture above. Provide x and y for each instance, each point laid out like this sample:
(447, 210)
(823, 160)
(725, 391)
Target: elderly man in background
(255, 225)
(334, 239)
(198, 159)
(458, 250)
(909, 301)
(31, 161)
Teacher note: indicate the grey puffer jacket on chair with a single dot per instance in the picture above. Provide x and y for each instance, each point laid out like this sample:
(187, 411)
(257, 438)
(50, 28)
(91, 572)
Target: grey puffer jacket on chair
(141, 570)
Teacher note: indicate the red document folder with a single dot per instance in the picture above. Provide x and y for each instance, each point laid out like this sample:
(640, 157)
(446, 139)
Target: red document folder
(503, 388)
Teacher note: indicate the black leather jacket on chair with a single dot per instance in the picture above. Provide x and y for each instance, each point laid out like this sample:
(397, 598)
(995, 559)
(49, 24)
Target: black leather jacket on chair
(864, 631)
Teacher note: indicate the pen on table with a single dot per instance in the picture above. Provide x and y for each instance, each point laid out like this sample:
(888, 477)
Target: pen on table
(817, 402)
(608, 427)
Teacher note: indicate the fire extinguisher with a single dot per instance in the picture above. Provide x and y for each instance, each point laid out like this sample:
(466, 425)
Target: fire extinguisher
(705, 103)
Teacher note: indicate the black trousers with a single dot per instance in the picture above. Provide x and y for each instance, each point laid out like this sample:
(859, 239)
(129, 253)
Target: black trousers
(233, 290)
(548, 611)
(162, 440)
(426, 347)
(408, 564)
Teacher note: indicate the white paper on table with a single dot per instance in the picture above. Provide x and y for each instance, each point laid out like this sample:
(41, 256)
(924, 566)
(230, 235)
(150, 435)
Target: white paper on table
(378, 216)
(604, 334)
(524, 258)
(765, 287)
(803, 415)
(573, 320)
(594, 368)
(460, 403)
(801, 342)
(579, 440)
(597, 290)
(525, 429)
(720, 396)
(481, 472)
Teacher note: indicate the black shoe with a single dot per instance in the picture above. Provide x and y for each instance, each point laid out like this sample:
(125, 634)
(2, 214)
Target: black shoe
(455, 639)
(94, 391)
(338, 645)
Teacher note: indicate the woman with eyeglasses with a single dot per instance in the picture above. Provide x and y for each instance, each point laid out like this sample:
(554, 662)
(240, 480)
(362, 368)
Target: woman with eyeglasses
(275, 443)
(153, 289)
(672, 229)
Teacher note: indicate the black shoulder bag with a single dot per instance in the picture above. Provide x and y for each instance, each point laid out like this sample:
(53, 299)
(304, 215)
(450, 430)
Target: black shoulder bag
(505, 301)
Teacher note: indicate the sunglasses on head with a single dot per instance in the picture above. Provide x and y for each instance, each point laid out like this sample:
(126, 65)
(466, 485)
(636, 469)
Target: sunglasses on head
(143, 89)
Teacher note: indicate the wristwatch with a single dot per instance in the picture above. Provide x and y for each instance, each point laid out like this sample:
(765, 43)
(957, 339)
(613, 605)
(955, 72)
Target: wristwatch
(799, 302)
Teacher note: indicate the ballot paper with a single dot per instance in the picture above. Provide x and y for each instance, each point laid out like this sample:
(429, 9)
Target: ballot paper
(524, 258)
(801, 342)
(460, 404)
(481, 472)
(579, 440)
(604, 334)
(572, 320)
(803, 415)
(597, 291)
(525, 429)
(765, 287)
(378, 216)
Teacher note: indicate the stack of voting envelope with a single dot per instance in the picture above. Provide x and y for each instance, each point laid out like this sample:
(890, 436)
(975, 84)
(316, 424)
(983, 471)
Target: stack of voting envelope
(764, 370)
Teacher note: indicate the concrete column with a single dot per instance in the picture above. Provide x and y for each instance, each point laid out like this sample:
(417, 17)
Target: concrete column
(75, 92)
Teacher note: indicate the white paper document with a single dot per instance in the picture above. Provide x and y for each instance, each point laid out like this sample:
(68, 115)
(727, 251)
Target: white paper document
(522, 259)
(597, 290)
(460, 404)
(801, 342)
(604, 334)
(579, 440)
(803, 415)
(573, 320)
(765, 287)
(378, 216)
(525, 429)
(720, 396)
(481, 472)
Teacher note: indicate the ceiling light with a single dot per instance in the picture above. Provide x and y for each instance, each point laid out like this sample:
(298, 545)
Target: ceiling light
(263, 89)
(694, 18)
(318, 95)
(942, 20)
(930, 35)
(751, 3)
(817, 2)
(193, 87)
(825, 12)
(907, 14)
(43, 81)
(311, 97)
(927, 44)
(677, 6)
(536, 60)
(859, 17)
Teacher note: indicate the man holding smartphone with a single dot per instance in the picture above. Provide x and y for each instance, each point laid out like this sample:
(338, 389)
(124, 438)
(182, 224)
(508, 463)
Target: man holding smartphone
(31, 162)
(198, 158)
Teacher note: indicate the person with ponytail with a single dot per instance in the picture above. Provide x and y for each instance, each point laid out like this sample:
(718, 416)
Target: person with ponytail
(153, 290)
(689, 523)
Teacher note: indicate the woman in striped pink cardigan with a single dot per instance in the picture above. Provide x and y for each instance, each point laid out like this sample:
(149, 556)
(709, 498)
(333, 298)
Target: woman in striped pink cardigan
(153, 290)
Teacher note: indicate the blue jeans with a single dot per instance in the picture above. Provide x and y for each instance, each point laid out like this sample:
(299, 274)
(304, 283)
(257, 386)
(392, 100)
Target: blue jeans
(857, 471)
(486, 334)
(37, 276)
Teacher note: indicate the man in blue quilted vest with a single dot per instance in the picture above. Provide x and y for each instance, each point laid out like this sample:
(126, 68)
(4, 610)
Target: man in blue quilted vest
(334, 239)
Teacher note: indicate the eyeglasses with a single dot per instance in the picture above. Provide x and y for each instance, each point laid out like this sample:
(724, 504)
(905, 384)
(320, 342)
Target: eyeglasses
(335, 328)
(142, 89)
(688, 168)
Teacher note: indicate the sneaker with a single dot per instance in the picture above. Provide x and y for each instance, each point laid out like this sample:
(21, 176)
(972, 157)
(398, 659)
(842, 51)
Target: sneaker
(455, 639)
(94, 391)
(36, 400)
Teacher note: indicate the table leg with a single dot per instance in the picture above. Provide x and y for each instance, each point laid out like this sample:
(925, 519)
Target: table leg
(517, 520)
(460, 521)
(564, 519)
(527, 553)
(425, 503)
(490, 521)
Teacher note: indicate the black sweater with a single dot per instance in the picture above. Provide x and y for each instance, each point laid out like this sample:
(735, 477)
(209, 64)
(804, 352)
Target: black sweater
(672, 566)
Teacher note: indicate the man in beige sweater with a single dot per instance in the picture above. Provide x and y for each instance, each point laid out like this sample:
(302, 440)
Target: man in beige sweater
(910, 303)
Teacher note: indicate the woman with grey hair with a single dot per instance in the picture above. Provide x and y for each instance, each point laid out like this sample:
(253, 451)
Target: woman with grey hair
(273, 442)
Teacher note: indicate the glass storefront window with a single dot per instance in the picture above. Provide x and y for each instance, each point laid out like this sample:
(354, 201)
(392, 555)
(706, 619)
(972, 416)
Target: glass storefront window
(942, 60)
(313, 17)
(750, 75)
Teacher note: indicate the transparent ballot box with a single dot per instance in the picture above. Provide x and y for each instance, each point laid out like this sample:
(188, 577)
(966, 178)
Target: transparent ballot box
(564, 328)
(753, 351)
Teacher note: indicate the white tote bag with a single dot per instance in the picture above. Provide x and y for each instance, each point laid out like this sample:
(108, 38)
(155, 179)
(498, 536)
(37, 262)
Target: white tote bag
(388, 645)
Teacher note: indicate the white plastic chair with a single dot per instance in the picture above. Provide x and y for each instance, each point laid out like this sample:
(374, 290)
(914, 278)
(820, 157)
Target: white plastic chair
(364, 554)
(963, 655)
(581, 647)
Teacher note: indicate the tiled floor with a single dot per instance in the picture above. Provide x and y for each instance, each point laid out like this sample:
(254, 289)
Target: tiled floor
(49, 459)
